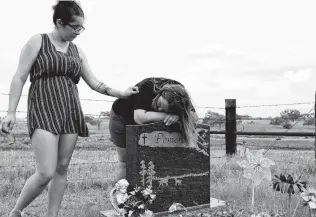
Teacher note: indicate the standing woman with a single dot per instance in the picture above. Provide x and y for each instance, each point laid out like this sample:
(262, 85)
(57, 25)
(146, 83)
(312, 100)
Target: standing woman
(55, 118)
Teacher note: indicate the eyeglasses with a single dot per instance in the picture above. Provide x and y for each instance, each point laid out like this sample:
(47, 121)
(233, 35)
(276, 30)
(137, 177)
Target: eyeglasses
(76, 28)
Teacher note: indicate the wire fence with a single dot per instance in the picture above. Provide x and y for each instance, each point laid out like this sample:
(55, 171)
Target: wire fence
(90, 172)
(196, 106)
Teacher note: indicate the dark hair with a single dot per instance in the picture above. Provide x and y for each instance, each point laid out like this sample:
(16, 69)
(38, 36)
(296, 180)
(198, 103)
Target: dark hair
(65, 10)
(180, 104)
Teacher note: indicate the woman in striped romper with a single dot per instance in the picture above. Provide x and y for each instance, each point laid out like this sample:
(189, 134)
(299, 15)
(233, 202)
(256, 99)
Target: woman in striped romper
(55, 117)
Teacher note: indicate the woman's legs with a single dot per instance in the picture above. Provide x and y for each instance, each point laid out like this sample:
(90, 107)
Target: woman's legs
(121, 174)
(117, 127)
(57, 186)
(45, 145)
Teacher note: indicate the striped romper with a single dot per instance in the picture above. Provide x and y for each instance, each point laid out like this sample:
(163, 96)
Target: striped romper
(53, 98)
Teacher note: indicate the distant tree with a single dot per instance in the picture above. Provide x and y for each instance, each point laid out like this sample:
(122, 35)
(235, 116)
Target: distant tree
(287, 125)
(91, 120)
(88, 118)
(213, 119)
(243, 117)
(276, 121)
(286, 117)
(102, 114)
(291, 114)
(105, 114)
(309, 119)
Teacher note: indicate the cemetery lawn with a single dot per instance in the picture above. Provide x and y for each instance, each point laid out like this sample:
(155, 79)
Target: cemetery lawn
(94, 163)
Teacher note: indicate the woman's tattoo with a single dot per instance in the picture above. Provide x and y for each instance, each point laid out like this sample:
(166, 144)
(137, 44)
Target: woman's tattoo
(102, 88)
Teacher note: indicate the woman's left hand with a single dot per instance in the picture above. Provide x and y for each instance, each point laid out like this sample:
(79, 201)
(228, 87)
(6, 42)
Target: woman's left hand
(171, 119)
(131, 90)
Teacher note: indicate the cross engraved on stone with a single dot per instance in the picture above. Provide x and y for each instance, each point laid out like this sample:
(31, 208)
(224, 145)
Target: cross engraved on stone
(144, 137)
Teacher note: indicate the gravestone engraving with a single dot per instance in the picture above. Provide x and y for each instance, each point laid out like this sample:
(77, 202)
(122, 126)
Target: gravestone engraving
(157, 155)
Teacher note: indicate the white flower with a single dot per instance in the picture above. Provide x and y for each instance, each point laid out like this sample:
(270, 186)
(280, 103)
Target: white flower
(148, 213)
(130, 213)
(147, 191)
(256, 167)
(152, 196)
(142, 206)
(309, 196)
(136, 189)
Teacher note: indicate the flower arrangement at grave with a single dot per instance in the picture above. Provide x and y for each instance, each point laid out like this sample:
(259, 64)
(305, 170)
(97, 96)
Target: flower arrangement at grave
(288, 185)
(139, 197)
(137, 203)
(132, 201)
(256, 168)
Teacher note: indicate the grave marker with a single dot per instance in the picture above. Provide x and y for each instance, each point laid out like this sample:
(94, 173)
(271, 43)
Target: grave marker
(158, 156)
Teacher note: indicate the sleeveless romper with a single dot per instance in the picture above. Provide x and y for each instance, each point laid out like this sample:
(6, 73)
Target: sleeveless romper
(53, 98)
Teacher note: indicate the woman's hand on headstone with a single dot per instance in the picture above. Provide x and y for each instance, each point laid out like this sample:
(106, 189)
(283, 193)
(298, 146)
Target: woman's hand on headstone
(171, 119)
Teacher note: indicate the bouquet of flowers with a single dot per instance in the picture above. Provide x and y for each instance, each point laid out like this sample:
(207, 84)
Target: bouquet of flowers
(137, 202)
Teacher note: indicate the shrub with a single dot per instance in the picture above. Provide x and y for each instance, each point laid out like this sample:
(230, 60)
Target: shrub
(276, 121)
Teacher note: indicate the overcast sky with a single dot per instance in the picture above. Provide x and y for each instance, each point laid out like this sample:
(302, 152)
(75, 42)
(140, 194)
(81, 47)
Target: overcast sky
(257, 52)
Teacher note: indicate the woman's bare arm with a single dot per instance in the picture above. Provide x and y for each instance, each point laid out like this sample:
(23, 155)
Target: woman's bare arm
(98, 86)
(27, 57)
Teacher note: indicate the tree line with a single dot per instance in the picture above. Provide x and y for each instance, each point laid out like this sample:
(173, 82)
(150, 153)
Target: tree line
(286, 118)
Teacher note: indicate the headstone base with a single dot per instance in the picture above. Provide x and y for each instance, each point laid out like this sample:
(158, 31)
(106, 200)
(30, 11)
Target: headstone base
(216, 202)
(213, 203)
(109, 213)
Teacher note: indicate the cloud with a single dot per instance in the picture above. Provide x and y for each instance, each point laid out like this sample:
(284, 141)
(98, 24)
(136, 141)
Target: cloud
(211, 50)
(232, 69)
(273, 90)
(300, 75)
(221, 58)
(215, 51)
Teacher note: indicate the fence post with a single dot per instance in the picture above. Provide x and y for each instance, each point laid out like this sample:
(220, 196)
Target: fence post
(230, 136)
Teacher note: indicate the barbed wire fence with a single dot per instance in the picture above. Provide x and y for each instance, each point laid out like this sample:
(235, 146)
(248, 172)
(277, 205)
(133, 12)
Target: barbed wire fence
(99, 170)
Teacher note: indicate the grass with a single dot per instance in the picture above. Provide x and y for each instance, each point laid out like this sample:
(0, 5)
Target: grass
(91, 170)
(228, 184)
(89, 178)
(94, 164)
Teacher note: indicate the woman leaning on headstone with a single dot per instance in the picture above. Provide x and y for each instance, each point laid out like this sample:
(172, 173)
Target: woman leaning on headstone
(159, 99)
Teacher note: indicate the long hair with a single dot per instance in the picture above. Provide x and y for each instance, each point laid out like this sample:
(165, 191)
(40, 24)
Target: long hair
(179, 104)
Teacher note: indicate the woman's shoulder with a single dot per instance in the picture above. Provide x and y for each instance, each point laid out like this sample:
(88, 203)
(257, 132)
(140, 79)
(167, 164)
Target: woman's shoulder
(34, 42)
(36, 38)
